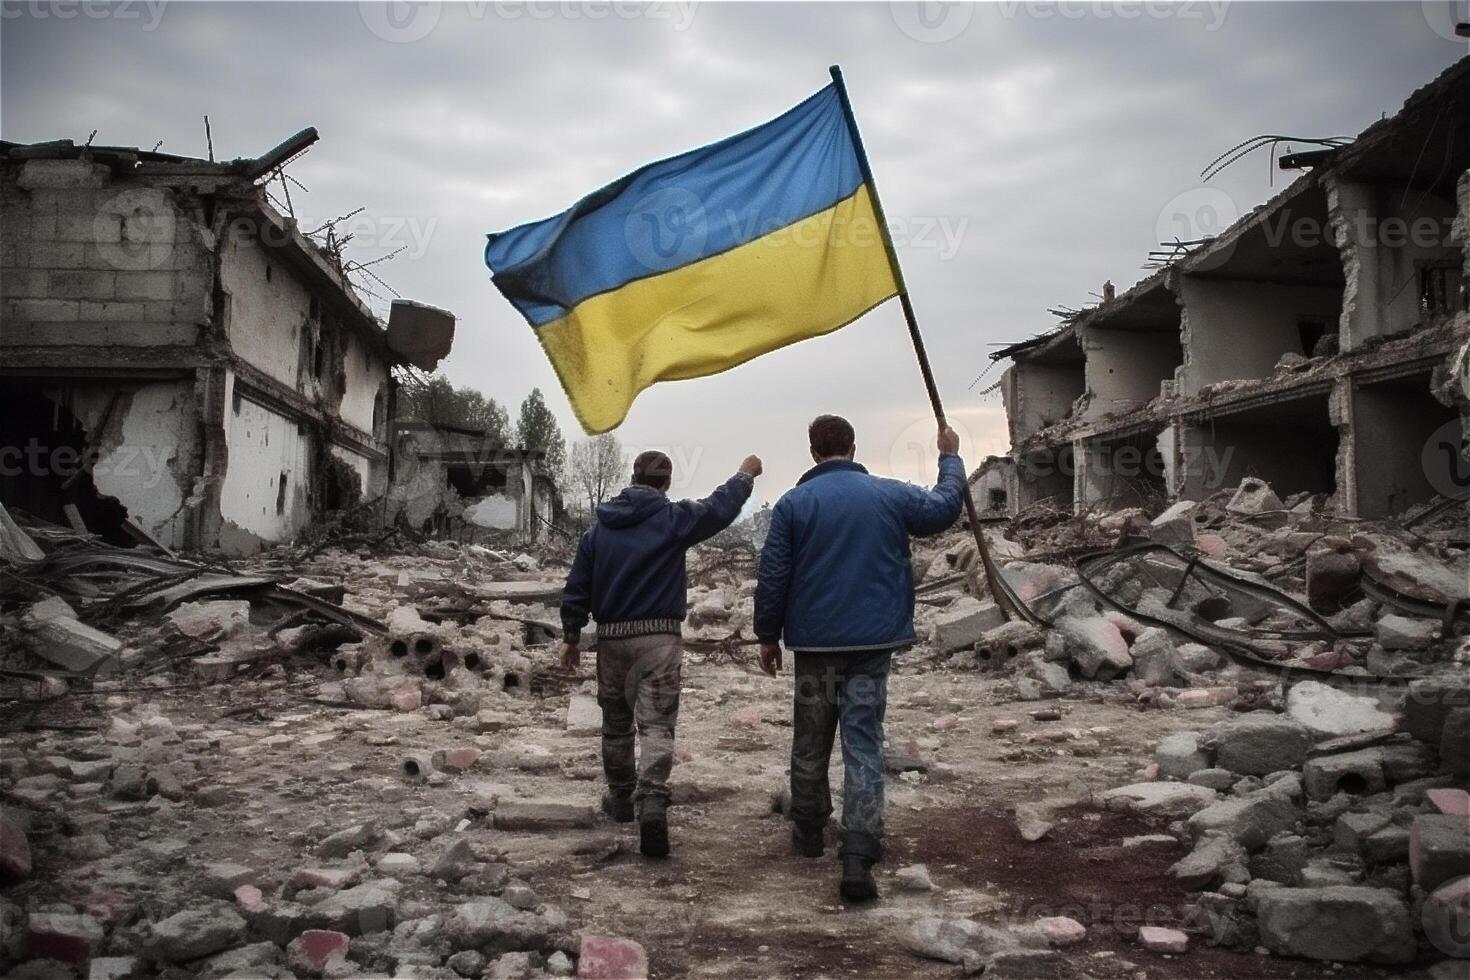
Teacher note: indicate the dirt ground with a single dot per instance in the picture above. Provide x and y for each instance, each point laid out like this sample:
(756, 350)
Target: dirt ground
(731, 901)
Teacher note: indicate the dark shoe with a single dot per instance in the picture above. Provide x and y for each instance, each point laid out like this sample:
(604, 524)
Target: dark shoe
(620, 808)
(806, 843)
(653, 829)
(857, 879)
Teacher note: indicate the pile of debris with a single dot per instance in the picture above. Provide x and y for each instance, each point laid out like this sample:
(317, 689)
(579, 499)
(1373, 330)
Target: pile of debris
(108, 866)
(1335, 830)
(1200, 603)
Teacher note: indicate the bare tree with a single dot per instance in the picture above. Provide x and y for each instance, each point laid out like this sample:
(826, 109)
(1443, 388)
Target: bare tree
(595, 466)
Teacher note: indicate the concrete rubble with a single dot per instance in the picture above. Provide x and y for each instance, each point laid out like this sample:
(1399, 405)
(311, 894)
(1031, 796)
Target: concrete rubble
(359, 755)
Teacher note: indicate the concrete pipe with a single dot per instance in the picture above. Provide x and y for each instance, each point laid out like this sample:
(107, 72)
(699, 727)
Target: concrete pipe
(415, 767)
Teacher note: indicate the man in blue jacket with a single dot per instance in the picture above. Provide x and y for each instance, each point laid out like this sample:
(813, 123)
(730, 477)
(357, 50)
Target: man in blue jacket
(837, 585)
(629, 575)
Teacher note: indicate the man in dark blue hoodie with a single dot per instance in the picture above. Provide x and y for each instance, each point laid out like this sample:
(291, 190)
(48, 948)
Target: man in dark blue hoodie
(629, 576)
(836, 584)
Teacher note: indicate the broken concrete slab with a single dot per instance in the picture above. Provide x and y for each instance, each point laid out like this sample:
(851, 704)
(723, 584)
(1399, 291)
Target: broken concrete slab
(1175, 526)
(1439, 849)
(1395, 632)
(546, 816)
(1095, 644)
(1179, 756)
(967, 619)
(1340, 923)
(1249, 820)
(1428, 702)
(1163, 799)
(1205, 865)
(15, 849)
(1255, 498)
(1259, 743)
(194, 933)
(1332, 578)
(1329, 713)
(52, 632)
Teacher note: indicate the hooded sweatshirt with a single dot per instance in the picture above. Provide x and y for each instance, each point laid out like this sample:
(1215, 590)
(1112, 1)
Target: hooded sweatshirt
(629, 571)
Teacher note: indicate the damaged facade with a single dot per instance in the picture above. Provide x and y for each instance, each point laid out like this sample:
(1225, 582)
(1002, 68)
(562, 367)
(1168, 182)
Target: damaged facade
(1321, 344)
(179, 359)
(451, 480)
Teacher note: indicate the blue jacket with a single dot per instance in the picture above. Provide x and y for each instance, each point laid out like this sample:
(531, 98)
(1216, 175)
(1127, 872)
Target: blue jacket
(835, 572)
(629, 570)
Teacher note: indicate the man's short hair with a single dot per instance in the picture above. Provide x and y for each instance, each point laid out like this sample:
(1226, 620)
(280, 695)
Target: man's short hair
(653, 469)
(830, 435)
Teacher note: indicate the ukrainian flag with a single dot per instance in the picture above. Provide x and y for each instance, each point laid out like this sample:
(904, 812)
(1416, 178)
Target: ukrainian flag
(700, 262)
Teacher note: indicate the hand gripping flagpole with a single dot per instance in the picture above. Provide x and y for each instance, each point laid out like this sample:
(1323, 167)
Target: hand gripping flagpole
(1011, 605)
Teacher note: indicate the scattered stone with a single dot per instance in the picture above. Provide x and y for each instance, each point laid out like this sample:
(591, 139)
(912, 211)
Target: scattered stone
(1022, 964)
(1255, 497)
(1454, 742)
(1206, 864)
(1428, 704)
(541, 817)
(1439, 849)
(397, 863)
(962, 625)
(114, 968)
(1032, 821)
(318, 952)
(914, 878)
(467, 963)
(15, 850)
(904, 756)
(1175, 526)
(955, 940)
(1259, 743)
(1095, 645)
(360, 910)
(1162, 940)
(1219, 780)
(1356, 773)
(1250, 820)
(1340, 923)
(1002, 725)
(1395, 632)
(194, 933)
(1163, 799)
(1179, 756)
(64, 937)
(608, 958)
(1329, 713)
(459, 759)
(51, 630)
(1061, 931)
(1449, 800)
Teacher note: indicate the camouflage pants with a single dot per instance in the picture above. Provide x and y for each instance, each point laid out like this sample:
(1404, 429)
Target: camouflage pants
(638, 682)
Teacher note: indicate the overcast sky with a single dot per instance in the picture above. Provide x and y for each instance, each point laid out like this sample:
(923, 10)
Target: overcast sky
(1024, 153)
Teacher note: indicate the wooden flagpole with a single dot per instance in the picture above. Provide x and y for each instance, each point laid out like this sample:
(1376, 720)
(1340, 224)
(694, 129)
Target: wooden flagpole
(1010, 604)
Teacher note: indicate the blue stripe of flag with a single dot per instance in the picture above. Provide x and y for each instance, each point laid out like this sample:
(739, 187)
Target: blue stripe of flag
(677, 211)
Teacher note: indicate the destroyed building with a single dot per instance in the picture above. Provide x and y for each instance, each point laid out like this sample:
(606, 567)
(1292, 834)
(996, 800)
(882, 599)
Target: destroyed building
(454, 480)
(1321, 343)
(181, 361)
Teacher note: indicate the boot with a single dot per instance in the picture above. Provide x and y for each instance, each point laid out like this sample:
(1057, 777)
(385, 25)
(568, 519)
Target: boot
(653, 829)
(807, 843)
(857, 879)
(618, 807)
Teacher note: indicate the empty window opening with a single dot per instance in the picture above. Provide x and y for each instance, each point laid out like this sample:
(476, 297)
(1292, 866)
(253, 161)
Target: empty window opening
(1441, 290)
(1408, 447)
(1292, 445)
(997, 499)
(1310, 330)
(281, 495)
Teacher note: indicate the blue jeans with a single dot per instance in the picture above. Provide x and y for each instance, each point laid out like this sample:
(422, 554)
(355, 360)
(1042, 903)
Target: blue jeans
(851, 690)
